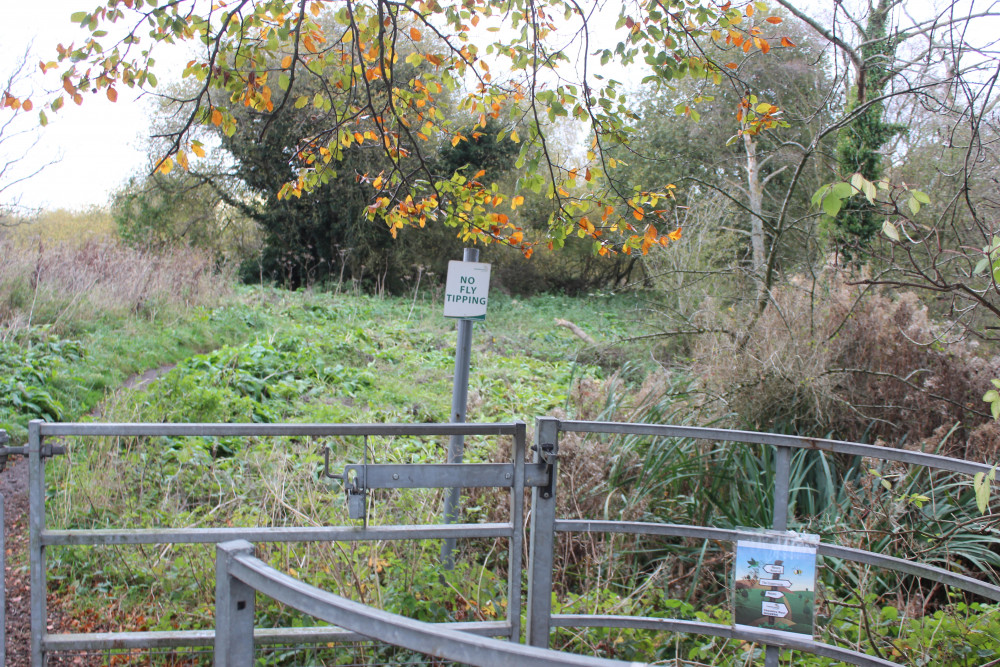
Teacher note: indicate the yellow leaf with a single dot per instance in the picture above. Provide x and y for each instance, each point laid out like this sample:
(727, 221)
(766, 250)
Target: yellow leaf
(675, 235)
(286, 62)
(198, 150)
(166, 166)
(518, 201)
(514, 137)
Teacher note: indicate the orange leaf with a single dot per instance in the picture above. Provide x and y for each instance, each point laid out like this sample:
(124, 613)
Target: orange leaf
(286, 62)
(216, 117)
(112, 94)
(750, 10)
(415, 34)
(764, 46)
(68, 85)
(638, 214)
(775, 20)
(675, 235)
(732, 65)
(27, 105)
(787, 42)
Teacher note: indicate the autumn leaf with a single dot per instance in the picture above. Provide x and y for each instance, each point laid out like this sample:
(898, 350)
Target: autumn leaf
(112, 94)
(517, 201)
(787, 42)
(197, 149)
(286, 62)
(415, 34)
(216, 117)
(675, 235)
(774, 20)
(28, 106)
(166, 166)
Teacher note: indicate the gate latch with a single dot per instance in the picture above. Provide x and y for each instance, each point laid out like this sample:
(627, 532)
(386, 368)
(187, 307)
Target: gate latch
(546, 451)
(47, 451)
(357, 505)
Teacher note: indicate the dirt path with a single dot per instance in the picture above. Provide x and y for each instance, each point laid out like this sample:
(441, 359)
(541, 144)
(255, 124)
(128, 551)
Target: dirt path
(14, 487)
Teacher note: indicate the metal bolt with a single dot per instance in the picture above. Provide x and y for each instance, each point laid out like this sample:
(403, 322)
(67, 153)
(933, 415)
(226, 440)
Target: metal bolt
(395, 475)
(506, 475)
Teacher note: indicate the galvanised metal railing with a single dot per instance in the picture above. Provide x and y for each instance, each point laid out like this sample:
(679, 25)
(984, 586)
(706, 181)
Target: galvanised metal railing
(545, 524)
(510, 475)
(240, 574)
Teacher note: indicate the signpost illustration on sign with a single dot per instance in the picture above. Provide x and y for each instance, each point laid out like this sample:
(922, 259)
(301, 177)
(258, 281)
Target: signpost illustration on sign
(775, 582)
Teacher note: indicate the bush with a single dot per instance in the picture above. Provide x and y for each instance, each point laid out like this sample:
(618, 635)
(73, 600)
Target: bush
(832, 358)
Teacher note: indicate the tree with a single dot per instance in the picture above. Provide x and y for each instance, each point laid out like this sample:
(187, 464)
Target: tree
(251, 52)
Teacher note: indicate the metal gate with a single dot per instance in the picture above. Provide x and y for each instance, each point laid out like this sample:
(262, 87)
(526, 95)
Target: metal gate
(239, 575)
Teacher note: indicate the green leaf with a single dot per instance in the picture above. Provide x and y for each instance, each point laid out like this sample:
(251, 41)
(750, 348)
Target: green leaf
(982, 489)
(832, 205)
(889, 230)
(914, 205)
(78, 17)
(991, 396)
(981, 266)
(921, 197)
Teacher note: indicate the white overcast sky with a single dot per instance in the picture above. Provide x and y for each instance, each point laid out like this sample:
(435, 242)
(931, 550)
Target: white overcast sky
(97, 146)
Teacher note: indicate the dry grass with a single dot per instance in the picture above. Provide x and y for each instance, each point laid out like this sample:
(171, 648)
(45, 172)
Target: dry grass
(65, 282)
(832, 358)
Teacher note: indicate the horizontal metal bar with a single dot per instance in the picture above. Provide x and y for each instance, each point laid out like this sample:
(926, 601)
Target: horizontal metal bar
(641, 528)
(797, 442)
(248, 430)
(443, 475)
(917, 569)
(323, 634)
(433, 640)
(728, 632)
(279, 534)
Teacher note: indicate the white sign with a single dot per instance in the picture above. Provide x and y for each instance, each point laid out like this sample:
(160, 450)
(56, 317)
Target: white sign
(467, 290)
(774, 609)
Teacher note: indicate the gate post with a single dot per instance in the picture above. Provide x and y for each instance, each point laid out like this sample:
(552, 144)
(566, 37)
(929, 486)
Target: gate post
(234, 608)
(36, 550)
(542, 537)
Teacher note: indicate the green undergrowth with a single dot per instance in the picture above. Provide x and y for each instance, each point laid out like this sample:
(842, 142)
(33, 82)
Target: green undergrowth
(313, 357)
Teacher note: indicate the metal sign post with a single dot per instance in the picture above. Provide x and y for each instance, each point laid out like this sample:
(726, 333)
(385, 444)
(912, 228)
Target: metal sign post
(466, 292)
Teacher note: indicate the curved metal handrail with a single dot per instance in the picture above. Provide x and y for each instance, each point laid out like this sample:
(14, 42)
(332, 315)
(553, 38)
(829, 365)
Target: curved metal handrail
(549, 429)
(426, 638)
(931, 572)
(794, 441)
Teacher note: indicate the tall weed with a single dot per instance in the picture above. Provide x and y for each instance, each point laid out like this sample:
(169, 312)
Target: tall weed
(67, 285)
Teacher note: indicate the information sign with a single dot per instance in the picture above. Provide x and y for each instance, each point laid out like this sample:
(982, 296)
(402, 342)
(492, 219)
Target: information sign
(467, 290)
(774, 585)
